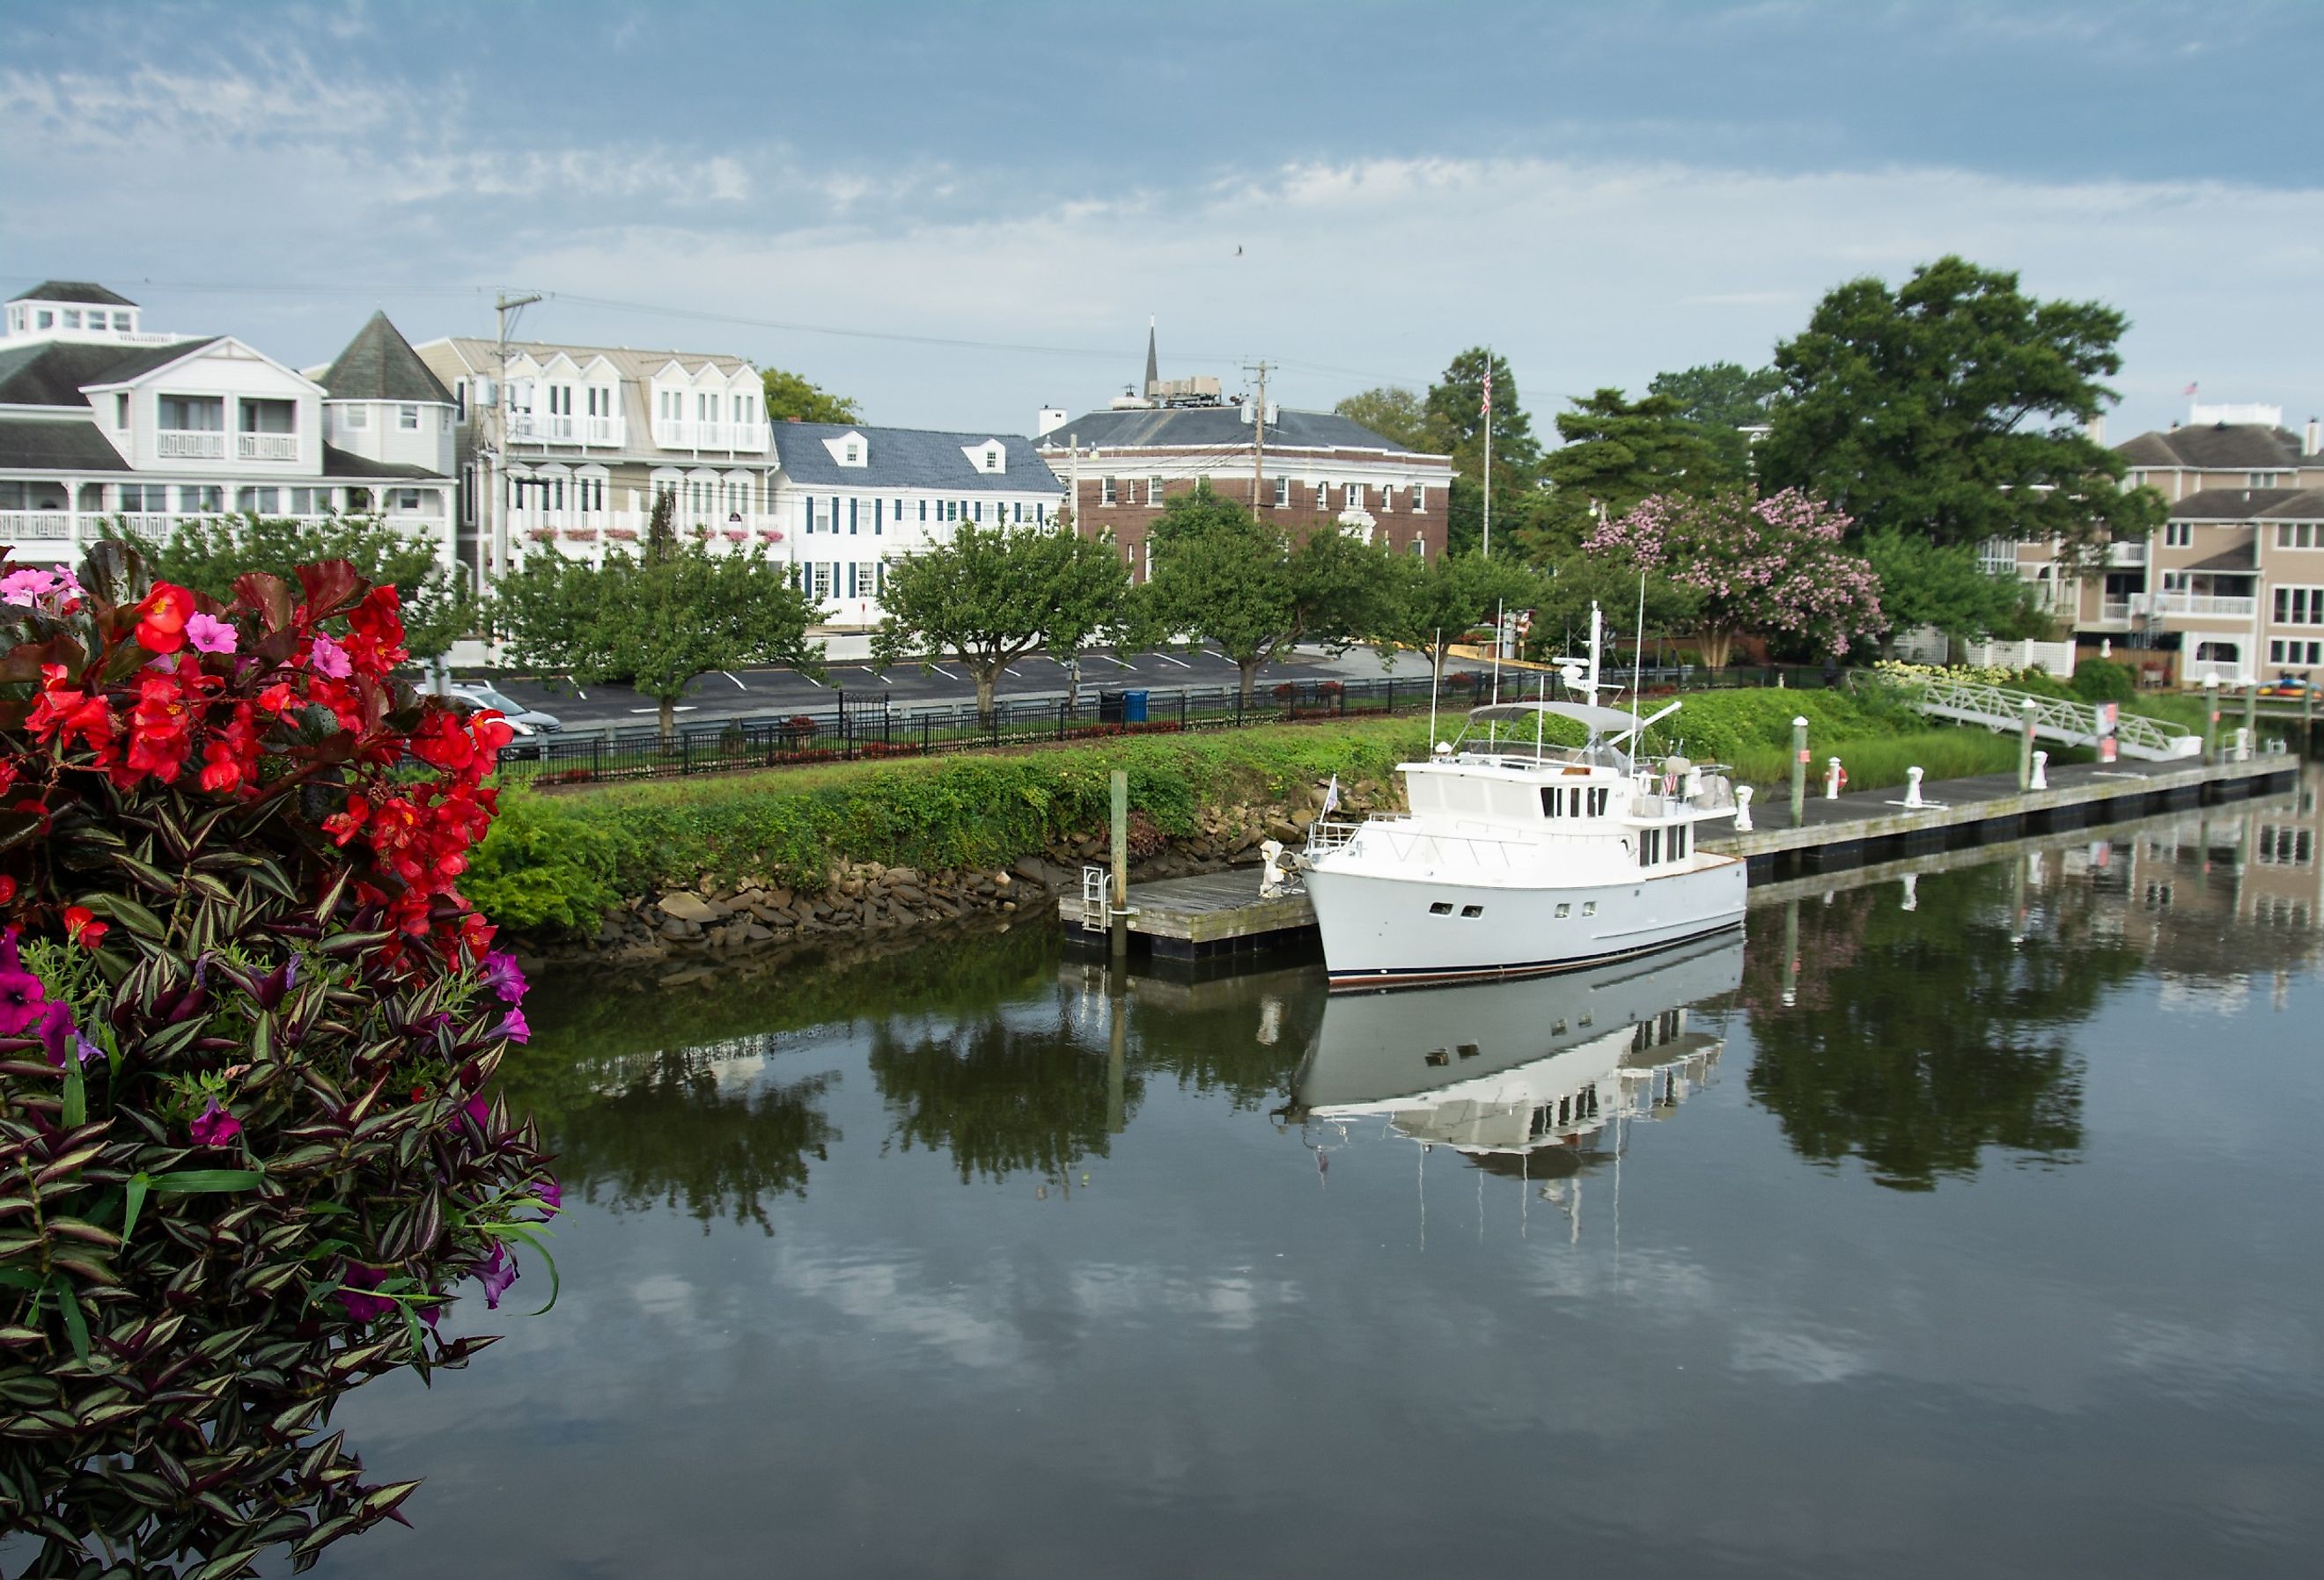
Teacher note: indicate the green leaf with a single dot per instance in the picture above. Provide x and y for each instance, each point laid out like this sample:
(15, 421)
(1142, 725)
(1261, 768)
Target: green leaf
(139, 1184)
(76, 1326)
(128, 913)
(75, 1106)
(185, 1181)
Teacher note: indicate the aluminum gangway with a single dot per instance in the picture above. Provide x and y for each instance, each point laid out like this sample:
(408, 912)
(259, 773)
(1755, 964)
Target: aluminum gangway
(2072, 723)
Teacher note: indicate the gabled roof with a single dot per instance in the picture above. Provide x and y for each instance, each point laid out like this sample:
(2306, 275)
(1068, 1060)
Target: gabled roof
(340, 462)
(54, 373)
(2251, 504)
(72, 290)
(1212, 427)
(908, 458)
(379, 365)
(34, 445)
(2222, 447)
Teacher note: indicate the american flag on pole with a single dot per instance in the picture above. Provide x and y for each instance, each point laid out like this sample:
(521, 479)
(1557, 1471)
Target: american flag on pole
(1487, 408)
(2188, 390)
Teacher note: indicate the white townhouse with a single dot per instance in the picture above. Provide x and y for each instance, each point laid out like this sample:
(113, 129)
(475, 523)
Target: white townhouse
(101, 418)
(853, 500)
(563, 449)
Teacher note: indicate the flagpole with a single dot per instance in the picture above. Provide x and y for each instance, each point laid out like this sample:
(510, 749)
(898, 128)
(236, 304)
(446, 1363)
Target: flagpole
(1487, 549)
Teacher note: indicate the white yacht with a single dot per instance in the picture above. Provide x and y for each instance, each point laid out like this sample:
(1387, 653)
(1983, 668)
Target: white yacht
(1519, 855)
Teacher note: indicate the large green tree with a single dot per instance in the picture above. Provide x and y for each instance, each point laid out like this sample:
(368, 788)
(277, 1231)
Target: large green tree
(1392, 412)
(1953, 406)
(1456, 428)
(790, 395)
(1721, 399)
(208, 552)
(1616, 452)
(659, 620)
(1252, 588)
(991, 595)
(1432, 603)
(1926, 583)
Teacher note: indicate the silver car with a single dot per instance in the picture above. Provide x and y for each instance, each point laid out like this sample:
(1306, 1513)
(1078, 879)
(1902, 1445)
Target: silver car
(478, 695)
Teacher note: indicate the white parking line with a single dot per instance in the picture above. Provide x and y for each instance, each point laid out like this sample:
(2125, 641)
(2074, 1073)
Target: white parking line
(1006, 671)
(947, 674)
(681, 708)
(1110, 659)
(1166, 659)
(730, 675)
(811, 680)
(584, 696)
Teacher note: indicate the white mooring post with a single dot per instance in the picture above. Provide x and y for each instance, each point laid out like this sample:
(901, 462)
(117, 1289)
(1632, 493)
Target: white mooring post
(1832, 776)
(1742, 809)
(1913, 789)
(2041, 779)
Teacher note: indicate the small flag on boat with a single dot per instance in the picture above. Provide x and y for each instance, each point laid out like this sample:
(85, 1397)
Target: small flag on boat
(1332, 796)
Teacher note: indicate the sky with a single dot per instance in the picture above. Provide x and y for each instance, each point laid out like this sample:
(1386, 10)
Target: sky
(961, 213)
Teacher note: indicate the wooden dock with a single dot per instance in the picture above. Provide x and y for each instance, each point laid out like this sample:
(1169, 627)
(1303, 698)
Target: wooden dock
(1219, 915)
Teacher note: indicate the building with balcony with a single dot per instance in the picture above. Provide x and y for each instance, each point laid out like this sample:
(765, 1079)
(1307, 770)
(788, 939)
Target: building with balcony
(563, 449)
(102, 420)
(853, 500)
(1296, 469)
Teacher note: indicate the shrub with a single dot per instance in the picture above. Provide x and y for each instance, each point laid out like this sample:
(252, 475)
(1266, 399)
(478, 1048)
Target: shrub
(2103, 681)
(246, 1025)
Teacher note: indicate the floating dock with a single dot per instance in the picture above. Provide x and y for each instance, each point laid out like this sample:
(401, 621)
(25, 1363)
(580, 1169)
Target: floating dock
(1218, 915)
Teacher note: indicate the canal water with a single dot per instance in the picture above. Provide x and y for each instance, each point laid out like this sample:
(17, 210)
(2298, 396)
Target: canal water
(1963, 1225)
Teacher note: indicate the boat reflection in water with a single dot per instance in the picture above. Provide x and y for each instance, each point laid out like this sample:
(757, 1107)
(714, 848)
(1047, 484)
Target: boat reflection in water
(1523, 1078)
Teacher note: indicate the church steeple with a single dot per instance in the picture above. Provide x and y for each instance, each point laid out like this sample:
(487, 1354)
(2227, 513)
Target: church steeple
(1153, 367)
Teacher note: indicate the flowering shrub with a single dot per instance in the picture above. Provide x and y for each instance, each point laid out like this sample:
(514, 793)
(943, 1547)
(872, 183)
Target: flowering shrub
(246, 1020)
(1772, 564)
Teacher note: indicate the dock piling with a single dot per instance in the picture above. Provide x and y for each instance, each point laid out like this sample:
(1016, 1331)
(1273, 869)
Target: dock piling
(1913, 789)
(1834, 777)
(1799, 770)
(2032, 710)
(1119, 908)
(2210, 719)
(2040, 778)
(1743, 794)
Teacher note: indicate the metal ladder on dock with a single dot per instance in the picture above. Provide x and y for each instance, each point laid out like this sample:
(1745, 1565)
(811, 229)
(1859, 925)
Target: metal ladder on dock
(1093, 907)
(2073, 724)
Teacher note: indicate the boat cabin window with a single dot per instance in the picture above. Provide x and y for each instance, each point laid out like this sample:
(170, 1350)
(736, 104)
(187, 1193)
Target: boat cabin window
(1473, 910)
(1436, 1057)
(1468, 1051)
(1678, 842)
(1442, 908)
(1589, 908)
(1564, 910)
(1650, 846)
(1573, 801)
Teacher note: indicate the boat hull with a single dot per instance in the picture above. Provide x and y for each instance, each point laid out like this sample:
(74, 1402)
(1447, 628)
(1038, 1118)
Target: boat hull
(1382, 928)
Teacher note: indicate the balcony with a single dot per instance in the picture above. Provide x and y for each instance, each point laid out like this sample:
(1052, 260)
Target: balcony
(2206, 603)
(16, 525)
(265, 447)
(2125, 555)
(561, 428)
(188, 445)
(2122, 611)
(678, 433)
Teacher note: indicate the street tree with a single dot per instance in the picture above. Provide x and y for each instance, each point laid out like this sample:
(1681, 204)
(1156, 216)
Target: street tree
(1925, 583)
(1431, 604)
(791, 396)
(991, 595)
(1616, 452)
(206, 553)
(1955, 406)
(1721, 399)
(677, 611)
(1772, 564)
(1393, 412)
(1224, 577)
(1455, 410)
(1635, 602)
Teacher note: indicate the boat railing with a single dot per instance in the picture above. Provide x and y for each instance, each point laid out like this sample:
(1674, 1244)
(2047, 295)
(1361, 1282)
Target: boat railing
(1328, 833)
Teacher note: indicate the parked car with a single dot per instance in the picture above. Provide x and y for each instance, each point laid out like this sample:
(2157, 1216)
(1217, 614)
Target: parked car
(475, 693)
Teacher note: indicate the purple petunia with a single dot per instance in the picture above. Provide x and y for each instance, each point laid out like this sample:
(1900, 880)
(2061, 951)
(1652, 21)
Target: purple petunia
(552, 1196)
(504, 977)
(209, 635)
(496, 1275)
(513, 1027)
(60, 1036)
(214, 1126)
(330, 659)
(362, 1306)
(22, 998)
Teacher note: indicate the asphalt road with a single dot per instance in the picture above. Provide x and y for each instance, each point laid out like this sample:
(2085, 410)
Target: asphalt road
(747, 692)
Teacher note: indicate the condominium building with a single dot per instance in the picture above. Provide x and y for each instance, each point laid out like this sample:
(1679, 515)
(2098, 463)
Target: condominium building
(101, 418)
(1295, 469)
(2232, 586)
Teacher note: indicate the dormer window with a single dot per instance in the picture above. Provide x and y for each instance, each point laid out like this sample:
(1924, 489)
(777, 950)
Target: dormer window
(993, 460)
(853, 459)
(72, 318)
(121, 411)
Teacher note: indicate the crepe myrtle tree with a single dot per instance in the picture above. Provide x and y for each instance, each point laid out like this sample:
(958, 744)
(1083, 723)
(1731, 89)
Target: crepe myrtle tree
(660, 619)
(1773, 564)
(990, 594)
(1222, 576)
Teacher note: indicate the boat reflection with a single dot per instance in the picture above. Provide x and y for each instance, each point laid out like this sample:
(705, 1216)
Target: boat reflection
(1522, 1077)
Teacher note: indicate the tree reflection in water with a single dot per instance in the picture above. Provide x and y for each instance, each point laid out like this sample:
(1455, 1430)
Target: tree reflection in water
(1000, 1097)
(1918, 1039)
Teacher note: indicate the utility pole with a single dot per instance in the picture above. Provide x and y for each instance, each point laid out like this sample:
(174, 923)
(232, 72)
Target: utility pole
(1259, 442)
(504, 307)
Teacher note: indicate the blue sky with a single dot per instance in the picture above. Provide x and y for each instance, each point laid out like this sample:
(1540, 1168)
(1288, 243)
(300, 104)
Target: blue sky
(990, 201)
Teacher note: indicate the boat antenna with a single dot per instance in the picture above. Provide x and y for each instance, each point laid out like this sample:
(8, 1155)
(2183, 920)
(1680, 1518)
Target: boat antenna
(1496, 650)
(1435, 674)
(1638, 658)
(1540, 696)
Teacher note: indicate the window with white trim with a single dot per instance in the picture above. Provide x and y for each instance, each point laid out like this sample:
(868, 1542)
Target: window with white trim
(2177, 534)
(2300, 606)
(407, 418)
(1282, 491)
(1322, 496)
(1154, 490)
(1355, 496)
(1105, 495)
(1419, 497)
(2299, 535)
(2299, 655)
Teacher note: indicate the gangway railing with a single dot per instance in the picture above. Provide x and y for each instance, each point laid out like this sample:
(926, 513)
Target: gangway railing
(2072, 723)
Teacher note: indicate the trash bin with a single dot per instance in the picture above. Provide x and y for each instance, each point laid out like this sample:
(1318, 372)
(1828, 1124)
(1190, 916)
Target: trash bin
(1109, 708)
(1133, 708)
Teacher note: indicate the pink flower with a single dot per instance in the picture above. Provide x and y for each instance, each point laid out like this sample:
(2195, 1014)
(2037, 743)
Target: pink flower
(513, 1027)
(497, 1275)
(214, 1127)
(330, 659)
(209, 635)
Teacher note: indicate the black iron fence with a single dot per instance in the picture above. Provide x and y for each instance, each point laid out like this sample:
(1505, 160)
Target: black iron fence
(857, 726)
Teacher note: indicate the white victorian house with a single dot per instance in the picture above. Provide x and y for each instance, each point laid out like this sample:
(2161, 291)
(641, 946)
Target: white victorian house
(101, 418)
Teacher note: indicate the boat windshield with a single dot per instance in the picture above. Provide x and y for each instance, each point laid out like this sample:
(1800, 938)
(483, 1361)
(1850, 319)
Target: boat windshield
(1517, 733)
